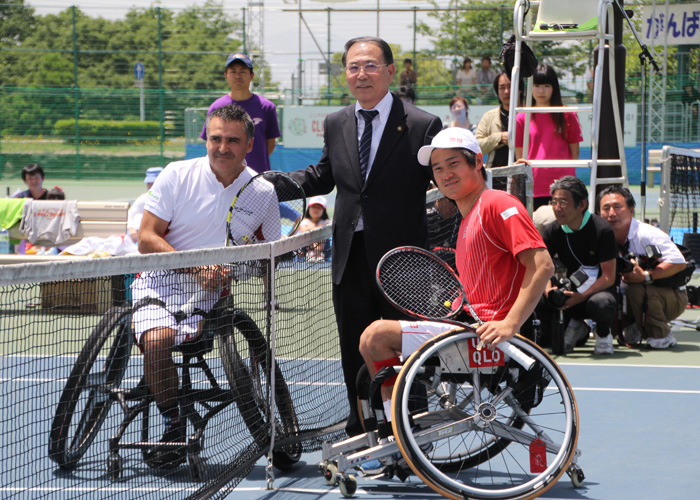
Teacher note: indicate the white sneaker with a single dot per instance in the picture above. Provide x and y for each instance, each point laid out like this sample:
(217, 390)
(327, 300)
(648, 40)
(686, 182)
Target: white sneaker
(603, 345)
(632, 335)
(575, 331)
(664, 343)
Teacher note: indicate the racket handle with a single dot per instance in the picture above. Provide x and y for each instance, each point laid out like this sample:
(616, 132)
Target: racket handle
(523, 359)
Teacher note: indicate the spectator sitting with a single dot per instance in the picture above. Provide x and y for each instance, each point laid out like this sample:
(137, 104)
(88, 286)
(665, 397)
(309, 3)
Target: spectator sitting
(33, 177)
(316, 216)
(136, 210)
(585, 241)
(459, 109)
(655, 295)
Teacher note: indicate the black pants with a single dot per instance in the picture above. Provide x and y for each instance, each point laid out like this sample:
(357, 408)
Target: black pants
(600, 307)
(357, 302)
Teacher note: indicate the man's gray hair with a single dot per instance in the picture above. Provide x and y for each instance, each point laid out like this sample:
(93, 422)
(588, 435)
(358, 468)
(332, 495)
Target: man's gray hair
(233, 113)
(572, 184)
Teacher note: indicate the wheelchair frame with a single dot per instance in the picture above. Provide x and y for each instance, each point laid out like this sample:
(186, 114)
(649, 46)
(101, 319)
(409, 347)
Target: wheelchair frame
(469, 423)
(98, 371)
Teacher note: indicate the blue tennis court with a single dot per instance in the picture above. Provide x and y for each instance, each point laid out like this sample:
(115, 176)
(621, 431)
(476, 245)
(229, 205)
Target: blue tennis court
(638, 437)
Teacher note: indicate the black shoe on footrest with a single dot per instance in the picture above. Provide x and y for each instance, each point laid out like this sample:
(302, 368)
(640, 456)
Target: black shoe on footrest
(173, 451)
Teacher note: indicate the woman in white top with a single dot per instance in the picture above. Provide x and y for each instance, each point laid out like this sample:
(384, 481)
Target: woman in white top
(466, 77)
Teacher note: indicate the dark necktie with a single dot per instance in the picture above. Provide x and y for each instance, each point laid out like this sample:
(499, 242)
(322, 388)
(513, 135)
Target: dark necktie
(366, 140)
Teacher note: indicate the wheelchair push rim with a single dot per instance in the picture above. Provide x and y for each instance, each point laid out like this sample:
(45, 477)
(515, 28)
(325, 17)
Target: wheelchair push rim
(529, 463)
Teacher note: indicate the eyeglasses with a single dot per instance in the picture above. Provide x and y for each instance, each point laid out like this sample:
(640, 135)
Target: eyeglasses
(370, 68)
(561, 203)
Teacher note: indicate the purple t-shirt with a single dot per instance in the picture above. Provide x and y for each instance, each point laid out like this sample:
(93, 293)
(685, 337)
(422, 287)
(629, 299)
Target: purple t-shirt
(264, 115)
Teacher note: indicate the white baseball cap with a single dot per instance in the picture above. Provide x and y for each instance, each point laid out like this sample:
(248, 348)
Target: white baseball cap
(318, 200)
(449, 138)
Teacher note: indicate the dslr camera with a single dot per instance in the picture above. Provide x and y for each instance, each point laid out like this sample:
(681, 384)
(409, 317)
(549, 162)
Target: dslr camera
(557, 297)
(647, 260)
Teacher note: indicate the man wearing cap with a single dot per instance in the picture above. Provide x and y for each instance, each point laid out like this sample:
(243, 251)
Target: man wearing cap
(239, 74)
(369, 156)
(136, 210)
(502, 261)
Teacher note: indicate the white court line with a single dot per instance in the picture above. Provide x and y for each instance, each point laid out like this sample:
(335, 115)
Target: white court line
(326, 384)
(619, 389)
(44, 489)
(620, 365)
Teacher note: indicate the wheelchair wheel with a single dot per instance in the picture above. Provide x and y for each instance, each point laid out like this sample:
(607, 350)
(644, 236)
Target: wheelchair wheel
(98, 370)
(245, 356)
(491, 429)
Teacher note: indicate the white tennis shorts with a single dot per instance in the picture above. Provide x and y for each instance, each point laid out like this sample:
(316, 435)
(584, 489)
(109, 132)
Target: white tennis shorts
(416, 333)
(174, 289)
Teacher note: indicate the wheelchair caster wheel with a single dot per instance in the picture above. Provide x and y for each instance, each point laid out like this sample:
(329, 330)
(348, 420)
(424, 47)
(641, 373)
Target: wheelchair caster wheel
(198, 468)
(115, 465)
(329, 474)
(577, 476)
(348, 486)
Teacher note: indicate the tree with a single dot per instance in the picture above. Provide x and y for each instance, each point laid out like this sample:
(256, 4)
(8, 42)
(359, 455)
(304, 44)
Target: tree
(479, 28)
(16, 20)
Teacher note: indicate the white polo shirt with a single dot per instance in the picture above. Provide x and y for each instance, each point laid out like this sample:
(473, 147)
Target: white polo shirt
(189, 196)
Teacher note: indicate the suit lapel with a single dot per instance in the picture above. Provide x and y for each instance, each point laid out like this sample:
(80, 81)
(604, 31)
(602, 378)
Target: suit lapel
(394, 129)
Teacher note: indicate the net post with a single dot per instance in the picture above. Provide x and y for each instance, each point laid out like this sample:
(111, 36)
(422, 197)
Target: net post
(271, 302)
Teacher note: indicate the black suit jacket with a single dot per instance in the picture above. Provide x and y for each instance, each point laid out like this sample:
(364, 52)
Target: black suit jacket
(392, 201)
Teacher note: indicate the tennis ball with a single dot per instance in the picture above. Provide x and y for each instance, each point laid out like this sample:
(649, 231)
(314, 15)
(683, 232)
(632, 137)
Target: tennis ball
(448, 303)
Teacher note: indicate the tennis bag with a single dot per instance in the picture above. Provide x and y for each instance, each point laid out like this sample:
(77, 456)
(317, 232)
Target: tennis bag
(682, 278)
(528, 61)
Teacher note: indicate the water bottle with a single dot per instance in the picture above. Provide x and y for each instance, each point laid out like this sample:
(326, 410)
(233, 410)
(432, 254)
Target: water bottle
(4, 241)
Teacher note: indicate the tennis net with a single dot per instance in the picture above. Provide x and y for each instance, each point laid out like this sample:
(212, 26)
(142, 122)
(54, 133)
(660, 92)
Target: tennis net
(71, 372)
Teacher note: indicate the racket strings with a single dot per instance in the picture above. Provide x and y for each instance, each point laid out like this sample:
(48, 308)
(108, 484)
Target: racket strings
(268, 207)
(420, 284)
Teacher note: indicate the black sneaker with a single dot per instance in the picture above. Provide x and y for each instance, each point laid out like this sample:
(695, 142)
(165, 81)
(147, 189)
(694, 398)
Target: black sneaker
(169, 457)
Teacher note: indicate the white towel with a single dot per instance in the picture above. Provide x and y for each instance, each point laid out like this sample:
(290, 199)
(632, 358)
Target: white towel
(49, 222)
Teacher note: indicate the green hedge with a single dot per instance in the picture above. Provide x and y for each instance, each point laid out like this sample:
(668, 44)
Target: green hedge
(108, 131)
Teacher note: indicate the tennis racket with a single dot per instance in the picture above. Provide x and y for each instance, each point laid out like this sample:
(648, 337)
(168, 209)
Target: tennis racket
(448, 255)
(422, 285)
(268, 207)
(418, 283)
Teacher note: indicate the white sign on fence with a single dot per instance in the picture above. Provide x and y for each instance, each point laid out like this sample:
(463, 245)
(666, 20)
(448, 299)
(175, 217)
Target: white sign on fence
(677, 25)
(304, 124)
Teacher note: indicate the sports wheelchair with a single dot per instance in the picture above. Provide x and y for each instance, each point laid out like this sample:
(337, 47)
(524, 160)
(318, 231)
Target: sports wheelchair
(471, 423)
(94, 385)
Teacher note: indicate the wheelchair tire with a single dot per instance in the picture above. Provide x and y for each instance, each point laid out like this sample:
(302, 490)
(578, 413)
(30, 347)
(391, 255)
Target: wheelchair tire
(247, 374)
(475, 413)
(99, 369)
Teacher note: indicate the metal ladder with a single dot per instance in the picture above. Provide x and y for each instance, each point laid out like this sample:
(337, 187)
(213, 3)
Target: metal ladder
(523, 32)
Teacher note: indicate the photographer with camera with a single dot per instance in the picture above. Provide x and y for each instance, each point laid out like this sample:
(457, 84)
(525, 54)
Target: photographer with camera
(584, 243)
(652, 270)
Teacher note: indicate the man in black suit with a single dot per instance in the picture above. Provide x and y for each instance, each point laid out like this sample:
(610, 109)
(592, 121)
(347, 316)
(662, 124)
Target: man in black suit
(370, 156)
